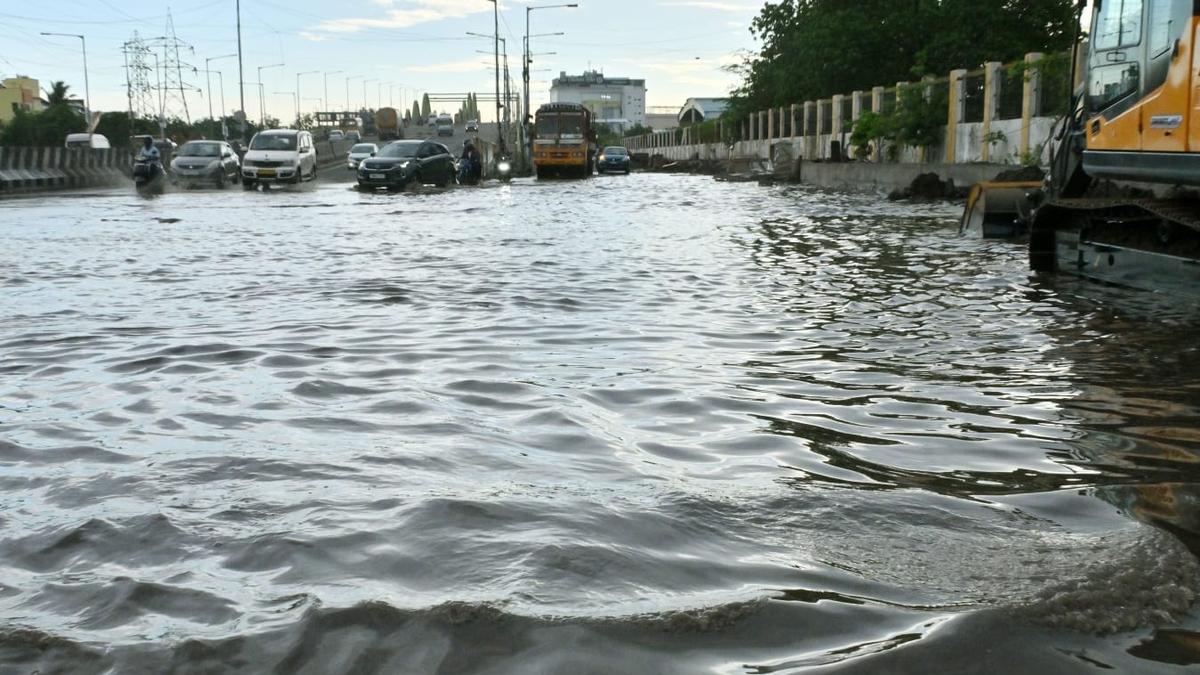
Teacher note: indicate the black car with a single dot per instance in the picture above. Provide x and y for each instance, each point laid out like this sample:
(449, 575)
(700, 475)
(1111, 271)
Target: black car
(614, 158)
(402, 162)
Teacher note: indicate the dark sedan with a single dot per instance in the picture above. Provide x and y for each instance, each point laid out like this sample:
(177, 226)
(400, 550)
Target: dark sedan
(400, 163)
(614, 158)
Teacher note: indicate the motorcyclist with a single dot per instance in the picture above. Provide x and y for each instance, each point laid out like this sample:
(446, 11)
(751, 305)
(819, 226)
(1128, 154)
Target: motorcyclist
(470, 154)
(148, 153)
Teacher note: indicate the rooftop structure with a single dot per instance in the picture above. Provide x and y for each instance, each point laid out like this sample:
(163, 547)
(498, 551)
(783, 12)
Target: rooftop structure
(618, 102)
(697, 110)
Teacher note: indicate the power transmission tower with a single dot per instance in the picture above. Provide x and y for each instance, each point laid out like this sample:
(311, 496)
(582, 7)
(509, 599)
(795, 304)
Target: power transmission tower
(139, 88)
(175, 89)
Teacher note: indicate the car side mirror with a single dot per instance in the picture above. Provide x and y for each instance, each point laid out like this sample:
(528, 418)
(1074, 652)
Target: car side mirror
(372, 154)
(226, 155)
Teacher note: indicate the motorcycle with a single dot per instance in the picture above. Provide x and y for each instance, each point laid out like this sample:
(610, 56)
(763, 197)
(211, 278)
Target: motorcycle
(148, 176)
(504, 168)
(468, 172)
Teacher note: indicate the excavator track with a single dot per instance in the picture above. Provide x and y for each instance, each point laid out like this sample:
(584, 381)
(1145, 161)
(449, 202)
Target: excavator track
(1144, 243)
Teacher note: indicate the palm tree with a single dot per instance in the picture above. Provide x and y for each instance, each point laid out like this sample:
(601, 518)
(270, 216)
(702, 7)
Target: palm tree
(57, 93)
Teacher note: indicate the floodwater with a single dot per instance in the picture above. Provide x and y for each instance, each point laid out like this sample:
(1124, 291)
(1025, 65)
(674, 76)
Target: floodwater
(643, 424)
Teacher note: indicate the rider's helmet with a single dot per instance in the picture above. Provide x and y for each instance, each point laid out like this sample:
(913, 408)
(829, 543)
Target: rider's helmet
(467, 143)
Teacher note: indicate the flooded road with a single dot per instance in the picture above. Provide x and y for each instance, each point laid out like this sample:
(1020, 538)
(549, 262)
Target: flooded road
(643, 424)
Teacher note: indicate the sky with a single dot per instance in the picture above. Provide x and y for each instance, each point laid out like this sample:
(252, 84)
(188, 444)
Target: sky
(398, 48)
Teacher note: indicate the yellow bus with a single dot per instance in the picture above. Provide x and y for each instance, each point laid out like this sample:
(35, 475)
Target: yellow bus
(564, 141)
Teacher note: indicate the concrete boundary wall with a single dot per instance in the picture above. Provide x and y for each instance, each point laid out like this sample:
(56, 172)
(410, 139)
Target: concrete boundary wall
(982, 123)
(27, 169)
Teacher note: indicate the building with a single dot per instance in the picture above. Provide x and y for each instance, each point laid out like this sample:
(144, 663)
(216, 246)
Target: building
(19, 93)
(698, 110)
(619, 102)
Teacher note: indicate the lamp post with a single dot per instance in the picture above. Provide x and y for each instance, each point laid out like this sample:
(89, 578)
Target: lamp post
(241, 76)
(348, 78)
(365, 104)
(297, 102)
(261, 98)
(496, 52)
(307, 72)
(208, 83)
(325, 99)
(525, 70)
(87, 91)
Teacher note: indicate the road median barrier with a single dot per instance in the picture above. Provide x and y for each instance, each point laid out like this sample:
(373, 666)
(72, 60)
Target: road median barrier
(32, 169)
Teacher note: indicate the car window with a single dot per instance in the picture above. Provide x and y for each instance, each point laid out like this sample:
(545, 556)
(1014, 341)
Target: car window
(363, 147)
(400, 150)
(273, 142)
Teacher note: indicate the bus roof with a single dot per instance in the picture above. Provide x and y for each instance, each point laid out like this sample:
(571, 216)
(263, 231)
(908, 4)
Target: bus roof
(561, 107)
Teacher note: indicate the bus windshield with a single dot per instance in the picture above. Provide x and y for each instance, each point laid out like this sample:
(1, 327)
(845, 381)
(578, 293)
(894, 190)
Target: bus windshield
(547, 126)
(571, 125)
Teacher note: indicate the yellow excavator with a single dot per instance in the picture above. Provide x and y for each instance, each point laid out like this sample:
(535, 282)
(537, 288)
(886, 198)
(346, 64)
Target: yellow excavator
(1118, 204)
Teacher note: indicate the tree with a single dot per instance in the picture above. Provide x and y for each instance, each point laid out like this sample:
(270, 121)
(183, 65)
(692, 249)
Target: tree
(425, 109)
(47, 128)
(57, 93)
(416, 112)
(813, 49)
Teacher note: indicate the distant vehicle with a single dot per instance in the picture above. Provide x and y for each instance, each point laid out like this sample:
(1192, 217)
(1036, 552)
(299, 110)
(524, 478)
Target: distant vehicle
(613, 158)
(353, 136)
(403, 163)
(87, 141)
(360, 152)
(445, 125)
(279, 156)
(387, 124)
(563, 140)
(433, 120)
(205, 161)
(336, 135)
(473, 125)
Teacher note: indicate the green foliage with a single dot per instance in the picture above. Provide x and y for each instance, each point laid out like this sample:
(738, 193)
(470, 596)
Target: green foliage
(918, 120)
(426, 111)
(813, 49)
(416, 113)
(47, 128)
(637, 130)
(995, 138)
(1033, 156)
(57, 93)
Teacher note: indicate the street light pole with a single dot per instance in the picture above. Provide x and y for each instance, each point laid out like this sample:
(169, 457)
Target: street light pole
(525, 69)
(241, 76)
(307, 72)
(348, 78)
(365, 104)
(297, 101)
(326, 100)
(496, 50)
(262, 97)
(208, 83)
(87, 90)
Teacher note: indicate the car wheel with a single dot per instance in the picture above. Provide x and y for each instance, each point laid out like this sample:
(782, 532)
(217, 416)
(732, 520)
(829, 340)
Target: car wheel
(220, 180)
(248, 184)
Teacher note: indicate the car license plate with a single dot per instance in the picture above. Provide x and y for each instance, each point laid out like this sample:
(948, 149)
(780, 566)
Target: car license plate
(266, 172)
(377, 176)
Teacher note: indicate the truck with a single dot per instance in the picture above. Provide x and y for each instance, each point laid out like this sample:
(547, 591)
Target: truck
(387, 124)
(564, 141)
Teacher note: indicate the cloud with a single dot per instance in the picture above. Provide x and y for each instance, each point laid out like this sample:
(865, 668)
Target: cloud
(413, 12)
(718, 5)
(470, 66)
(312, 37)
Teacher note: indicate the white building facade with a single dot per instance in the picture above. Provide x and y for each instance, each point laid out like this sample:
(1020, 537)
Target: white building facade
(619, 102)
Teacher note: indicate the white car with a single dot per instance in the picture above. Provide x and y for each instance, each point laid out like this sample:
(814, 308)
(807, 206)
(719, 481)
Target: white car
(336, 135)
(358, 153)
(279, 156)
